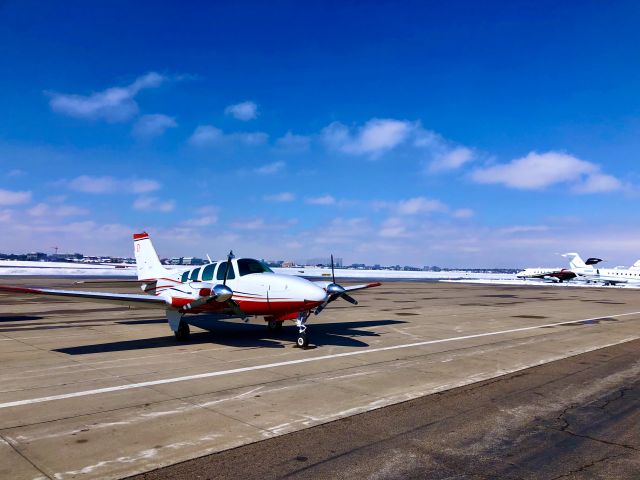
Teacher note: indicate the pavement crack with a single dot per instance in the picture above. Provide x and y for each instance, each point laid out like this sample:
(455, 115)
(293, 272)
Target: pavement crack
(620, 396)
(27, 459)
(586, 466)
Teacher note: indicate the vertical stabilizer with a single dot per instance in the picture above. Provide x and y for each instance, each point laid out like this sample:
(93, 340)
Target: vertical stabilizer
(575, 261)
(147, 260)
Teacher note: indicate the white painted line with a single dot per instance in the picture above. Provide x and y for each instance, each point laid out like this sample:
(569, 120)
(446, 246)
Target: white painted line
(220, 373)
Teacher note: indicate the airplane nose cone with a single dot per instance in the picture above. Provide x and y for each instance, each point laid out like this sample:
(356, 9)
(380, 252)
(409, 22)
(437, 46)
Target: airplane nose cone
(316, 294)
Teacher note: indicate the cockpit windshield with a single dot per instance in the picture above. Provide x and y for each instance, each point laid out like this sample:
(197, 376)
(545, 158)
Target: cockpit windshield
(247, 266)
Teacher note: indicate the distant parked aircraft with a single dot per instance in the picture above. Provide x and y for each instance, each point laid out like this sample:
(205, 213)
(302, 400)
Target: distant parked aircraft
(233, 287)
(607, 276)
(558, 275)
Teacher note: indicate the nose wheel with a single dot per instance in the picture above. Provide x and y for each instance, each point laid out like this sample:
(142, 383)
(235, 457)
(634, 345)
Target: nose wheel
(303, 339)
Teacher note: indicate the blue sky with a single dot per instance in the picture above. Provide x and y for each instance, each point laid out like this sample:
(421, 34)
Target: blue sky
(492, 134)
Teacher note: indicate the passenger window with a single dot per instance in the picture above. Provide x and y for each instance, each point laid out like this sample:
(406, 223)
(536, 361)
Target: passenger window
(185, 276)
(207, 272)
(222, 269)
(194, 274)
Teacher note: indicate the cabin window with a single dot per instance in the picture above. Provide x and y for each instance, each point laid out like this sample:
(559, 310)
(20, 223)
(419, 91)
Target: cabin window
(247, 266)
(207, 272)
(222, 269)
(194, 274)
(185, 276)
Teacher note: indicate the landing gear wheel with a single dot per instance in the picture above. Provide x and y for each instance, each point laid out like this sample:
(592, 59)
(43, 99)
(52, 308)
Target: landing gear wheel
(303, 341)
(274, 326)
(182, 334)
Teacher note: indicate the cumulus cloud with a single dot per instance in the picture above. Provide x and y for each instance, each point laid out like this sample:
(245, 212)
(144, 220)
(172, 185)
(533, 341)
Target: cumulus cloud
(270, 168)
(107, 184)
(9, 197)
(414, 206)
(154, 204)
(150, 126)
(374, 138)
(45, 210)
(206, 216)
(451, 159)
(115, 104)
(463, 213)
(295, 143)
(280, 197)
(540, 170)
(243, 111)
(208, 135)
(322, 200)
(420, 206)
(16, 172)
(598, 183)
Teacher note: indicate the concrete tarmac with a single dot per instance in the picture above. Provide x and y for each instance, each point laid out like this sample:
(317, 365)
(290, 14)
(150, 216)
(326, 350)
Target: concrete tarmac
(97, 391)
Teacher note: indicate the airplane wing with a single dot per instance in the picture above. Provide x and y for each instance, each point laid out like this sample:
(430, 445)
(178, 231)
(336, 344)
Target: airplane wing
(129, 299)
(353, 288)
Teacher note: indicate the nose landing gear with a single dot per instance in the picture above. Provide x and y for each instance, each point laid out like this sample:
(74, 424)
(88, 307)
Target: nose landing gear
(303, 339)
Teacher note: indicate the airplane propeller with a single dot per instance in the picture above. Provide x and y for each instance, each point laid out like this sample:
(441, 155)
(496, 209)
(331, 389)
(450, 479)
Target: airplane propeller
(335, 291)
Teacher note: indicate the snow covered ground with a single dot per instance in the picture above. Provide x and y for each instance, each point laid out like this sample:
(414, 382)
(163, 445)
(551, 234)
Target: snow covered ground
(24, 268)
(86, 269)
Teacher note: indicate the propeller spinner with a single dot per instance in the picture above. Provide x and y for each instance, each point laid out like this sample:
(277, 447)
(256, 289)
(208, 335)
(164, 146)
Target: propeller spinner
(335, 291)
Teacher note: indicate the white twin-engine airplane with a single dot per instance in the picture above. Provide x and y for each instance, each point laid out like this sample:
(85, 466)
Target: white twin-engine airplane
(235, 288)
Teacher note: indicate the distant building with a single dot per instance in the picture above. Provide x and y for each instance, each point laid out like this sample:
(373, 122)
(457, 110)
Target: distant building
(324, 262)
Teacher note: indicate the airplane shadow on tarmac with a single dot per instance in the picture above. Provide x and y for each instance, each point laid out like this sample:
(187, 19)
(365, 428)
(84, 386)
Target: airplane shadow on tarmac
(224, 332)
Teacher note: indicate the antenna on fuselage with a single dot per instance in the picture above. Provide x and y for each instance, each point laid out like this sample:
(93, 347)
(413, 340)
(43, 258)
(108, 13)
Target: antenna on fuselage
(209, 258)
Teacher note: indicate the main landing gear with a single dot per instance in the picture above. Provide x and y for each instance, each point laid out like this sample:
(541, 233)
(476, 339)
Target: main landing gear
(303, 339)
(274, 325)
(182, 333)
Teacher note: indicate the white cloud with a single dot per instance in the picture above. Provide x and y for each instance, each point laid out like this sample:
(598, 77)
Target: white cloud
(520, 229)
(374, 138)
(540, 170)
(322, 200)
(270, 168)
(451, 159)
(115, 104)
(205, 135)
(463, 213)
(46, 210)
(260, 224)
(107, 184)
(417, 205)
(206, 216)
(154, 204)
(294, 143)
(243, 111)
(150, 126)
(280, 197)
(393, 228)
(9, 197)
(16, 172)
(208, 135)
(599, 183)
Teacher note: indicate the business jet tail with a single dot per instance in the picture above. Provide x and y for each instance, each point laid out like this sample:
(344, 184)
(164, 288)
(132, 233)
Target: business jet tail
(575, 261)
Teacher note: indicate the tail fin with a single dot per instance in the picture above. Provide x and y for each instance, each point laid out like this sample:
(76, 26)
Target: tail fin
(147, 260)
(575, 262)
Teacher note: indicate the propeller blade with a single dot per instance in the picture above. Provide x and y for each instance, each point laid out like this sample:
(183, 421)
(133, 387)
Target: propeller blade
(226, 272)
(333, 274)
(321, 307)
(349, 298)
